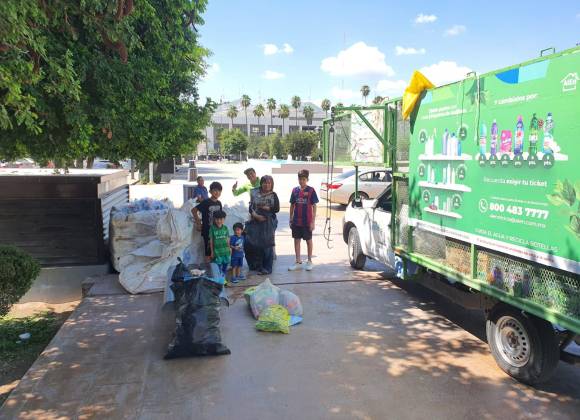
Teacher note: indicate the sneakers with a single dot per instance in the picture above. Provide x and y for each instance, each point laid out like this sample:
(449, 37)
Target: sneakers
(234, 280)
(241, 277)
(295, 266)
(308, 266)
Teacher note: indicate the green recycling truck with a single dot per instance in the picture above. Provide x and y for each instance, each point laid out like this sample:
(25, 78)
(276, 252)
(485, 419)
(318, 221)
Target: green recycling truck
(484, 206)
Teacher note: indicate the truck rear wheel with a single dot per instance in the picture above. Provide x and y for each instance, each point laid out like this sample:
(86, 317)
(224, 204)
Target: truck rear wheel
(525, 347)
(355, 254)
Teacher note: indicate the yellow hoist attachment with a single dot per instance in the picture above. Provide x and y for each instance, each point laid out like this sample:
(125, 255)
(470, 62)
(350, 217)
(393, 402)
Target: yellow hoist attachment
(417, 85)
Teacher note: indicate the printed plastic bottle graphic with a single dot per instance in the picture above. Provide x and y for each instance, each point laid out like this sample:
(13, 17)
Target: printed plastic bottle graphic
(445, 141)
(548, 134)
(452, 145)
(506, 141)
(533, 137)
(482, 139)
(493, 142)
(519, 134)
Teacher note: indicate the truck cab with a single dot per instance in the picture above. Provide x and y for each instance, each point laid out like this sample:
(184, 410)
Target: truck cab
(366, 230)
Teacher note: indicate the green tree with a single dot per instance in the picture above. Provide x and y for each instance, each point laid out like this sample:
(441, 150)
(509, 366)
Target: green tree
(365, 90)
(378, 100)
(259, 112)
(308, 112)
(301, 143)
(296, 102)
(276, 146)
(233, 142)
(325, 105)
(232, 113)
(271, 104)
(283, 112)
(116, 79)
(245, 102)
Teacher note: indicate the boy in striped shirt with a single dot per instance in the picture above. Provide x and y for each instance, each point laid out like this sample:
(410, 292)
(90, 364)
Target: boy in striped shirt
(302, 216)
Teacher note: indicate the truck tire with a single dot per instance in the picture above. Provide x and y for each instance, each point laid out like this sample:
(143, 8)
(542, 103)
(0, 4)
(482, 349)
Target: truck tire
(355, 254)
(524, 347)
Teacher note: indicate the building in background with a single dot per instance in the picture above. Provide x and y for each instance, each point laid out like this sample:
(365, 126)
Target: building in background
(256, 128)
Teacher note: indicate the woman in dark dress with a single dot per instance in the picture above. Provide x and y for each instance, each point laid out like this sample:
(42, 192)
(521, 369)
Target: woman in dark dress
(261, 229)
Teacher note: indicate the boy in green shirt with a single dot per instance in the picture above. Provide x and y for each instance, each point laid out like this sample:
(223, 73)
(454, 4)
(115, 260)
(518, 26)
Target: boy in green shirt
(254, 183)
(219, 237)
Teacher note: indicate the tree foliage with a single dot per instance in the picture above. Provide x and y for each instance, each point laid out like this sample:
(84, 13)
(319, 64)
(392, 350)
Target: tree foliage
(100, 77)
(325, 105)
(301, 144)
(296, 102)
(233, 142)
(308, 112)
(271, 105)
(365, 90)
(232, 113)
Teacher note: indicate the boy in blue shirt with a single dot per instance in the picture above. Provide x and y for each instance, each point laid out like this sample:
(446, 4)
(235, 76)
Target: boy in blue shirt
(237, 247)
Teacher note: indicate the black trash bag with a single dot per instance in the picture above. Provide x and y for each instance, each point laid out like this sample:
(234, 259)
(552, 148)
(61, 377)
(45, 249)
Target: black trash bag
(260, 234)
(197, 317)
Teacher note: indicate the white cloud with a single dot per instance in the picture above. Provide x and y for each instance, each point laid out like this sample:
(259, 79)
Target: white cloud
(421, 18)
(357, 60)
(341, 94)
(445, 72)
(409, 50)
(211, 70)
(455, 30)
(391, 88)
(270, 49)
(272, 75)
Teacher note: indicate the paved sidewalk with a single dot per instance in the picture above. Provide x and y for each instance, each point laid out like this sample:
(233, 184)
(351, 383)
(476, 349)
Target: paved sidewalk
(368, 349)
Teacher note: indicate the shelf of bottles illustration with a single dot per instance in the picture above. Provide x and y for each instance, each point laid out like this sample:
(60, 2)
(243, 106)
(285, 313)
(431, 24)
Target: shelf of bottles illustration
(446, 186)
(517, 151)
(444, 213)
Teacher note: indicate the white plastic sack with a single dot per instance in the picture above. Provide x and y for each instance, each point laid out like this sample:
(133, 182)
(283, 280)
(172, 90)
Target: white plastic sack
(291, 302)
(144, 274)
(264, 295)
(130, 231)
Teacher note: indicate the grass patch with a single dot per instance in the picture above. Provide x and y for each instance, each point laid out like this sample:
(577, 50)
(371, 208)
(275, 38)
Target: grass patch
(16, 356)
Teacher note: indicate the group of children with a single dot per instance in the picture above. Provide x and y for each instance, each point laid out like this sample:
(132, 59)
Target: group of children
(224, 250)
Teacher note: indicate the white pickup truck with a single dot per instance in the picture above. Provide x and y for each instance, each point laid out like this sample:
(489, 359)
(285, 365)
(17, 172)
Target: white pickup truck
(366, 230)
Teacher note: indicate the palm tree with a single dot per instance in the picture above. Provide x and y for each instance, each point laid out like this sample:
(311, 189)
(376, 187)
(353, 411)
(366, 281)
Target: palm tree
(283, 112)
(271, 104)
(377, 100)
(308, 112)
(325, 105)
(365, 90)
(296, 102)
(232, 113)
(245, 104)
(339, 105)
(259, 112)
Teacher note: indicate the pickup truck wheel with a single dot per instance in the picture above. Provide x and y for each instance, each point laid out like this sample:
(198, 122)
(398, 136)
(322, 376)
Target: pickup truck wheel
(355, 254)
(362, 196)
(525, 347)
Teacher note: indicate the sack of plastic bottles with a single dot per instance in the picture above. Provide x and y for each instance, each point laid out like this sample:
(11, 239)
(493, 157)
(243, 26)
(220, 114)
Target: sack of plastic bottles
(265, 294)
(275, 318)
(291, 302)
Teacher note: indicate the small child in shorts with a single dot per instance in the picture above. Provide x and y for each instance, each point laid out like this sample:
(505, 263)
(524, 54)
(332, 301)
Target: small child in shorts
(219, 242)
(237, 248)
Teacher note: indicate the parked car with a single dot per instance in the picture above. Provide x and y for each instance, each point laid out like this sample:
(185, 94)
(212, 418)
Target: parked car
(371, 183)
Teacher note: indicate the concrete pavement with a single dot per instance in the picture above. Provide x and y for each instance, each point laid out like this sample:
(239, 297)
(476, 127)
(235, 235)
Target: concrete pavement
(369, 348)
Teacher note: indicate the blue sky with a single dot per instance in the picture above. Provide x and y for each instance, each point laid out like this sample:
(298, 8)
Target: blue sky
(328, 49)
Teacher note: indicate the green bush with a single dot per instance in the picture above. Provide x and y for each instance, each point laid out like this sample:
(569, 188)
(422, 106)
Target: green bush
(17, 272)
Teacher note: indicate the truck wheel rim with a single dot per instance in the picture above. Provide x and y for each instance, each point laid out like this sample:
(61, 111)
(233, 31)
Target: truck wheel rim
(513, 341)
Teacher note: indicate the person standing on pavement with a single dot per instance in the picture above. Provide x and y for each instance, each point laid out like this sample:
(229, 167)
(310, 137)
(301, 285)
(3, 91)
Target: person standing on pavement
(254, 182)
(261, 230)
(303, 202)
(207, 209)
(200, 192)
